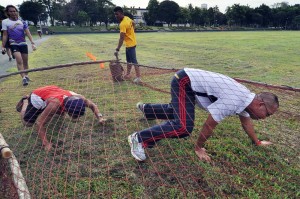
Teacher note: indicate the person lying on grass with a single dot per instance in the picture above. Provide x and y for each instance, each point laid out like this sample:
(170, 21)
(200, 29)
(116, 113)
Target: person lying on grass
(218, 94)
(40, 106)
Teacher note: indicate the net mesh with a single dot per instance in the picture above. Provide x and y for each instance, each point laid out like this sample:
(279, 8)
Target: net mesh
(91, 160)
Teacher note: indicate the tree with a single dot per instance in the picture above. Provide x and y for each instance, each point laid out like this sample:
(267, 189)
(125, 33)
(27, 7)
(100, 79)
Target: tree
(31, 11)
(169, 12)
(237, 14)
(2, 15)
(82, 17)
(266, 13)
(52, 8)
(68, 13)
(184, 16)
(197, 16)
(151, 16)
(296, 22)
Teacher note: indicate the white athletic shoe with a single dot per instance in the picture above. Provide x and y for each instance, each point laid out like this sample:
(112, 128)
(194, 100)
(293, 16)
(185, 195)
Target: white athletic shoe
(137, 150)
(140, 106)
(137, 80)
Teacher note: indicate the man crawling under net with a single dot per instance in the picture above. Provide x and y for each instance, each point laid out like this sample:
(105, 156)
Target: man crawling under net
(218, 94)
(40, 106)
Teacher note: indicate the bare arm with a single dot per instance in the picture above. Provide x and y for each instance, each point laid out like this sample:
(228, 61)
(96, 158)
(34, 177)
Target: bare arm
(121, 40)
(94, 108)
(29, 36)
(248, 127)
(4, 39)
(206, 132)
(52, 107)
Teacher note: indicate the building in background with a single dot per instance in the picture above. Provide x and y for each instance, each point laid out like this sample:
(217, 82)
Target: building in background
(139, 16)
(204, 6)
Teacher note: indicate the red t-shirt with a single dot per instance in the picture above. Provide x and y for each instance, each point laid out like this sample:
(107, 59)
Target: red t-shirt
(52, 92)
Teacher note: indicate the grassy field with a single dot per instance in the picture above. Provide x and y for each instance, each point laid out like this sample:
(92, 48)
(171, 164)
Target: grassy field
(271, 57)
(93, 161)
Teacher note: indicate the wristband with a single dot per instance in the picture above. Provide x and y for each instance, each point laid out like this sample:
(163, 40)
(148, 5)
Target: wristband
(117, 49)
(100, 115)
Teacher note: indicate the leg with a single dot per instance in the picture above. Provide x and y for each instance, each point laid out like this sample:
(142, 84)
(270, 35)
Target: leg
(16, 50)
(183, 103)
(129, 66)
(127, 75)
(19, 61)
(158, 111)
(132, 54)
(8, 51)
(25, 62)
(137, 71)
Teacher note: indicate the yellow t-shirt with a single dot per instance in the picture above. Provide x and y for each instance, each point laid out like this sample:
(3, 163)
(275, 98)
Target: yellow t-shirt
(126, 26)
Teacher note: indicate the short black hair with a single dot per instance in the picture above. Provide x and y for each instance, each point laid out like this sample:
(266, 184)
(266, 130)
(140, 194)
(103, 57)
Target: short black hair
(118, 9)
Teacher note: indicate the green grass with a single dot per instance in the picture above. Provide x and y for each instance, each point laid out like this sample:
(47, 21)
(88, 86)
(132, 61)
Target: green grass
(270, 57)
(94, 161)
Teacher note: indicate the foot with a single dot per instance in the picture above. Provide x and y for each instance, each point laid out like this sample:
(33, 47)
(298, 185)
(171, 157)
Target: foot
(127, 76)
(140, 106)
(137, 80)
(25, 81)
(28, 79)
(137, 150)
(20, 103)
(10, 59)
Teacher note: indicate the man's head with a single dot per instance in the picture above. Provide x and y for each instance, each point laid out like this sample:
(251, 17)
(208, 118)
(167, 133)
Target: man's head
(74, 106)
(119, 14)
(264, 105)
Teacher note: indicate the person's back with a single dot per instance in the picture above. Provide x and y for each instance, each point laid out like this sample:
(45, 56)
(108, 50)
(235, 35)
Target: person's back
(219, 94)
(127, 27)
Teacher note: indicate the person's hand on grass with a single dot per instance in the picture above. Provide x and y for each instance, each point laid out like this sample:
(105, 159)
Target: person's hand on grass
(265, 143)
(102, 120)
(202, 155)
(47, 146)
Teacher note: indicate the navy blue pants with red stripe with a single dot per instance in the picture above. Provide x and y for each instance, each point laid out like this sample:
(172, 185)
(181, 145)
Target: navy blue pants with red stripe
(180, 113)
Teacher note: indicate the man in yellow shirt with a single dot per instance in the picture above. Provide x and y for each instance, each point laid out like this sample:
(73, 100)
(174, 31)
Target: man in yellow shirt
(127, 35)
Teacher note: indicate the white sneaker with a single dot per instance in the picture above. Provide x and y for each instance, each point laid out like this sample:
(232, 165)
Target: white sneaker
(137, 150)
(137, 80)
(140, 106)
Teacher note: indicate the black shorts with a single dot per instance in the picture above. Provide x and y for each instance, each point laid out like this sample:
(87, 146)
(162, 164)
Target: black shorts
(23, 49)
(31, 113)
(131, 55)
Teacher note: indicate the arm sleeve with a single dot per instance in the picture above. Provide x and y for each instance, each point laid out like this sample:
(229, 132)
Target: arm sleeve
(220, 109)
(4, 25)
(25, 25)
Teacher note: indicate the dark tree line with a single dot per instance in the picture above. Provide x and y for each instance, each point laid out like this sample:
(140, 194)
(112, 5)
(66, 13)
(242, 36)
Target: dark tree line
(90, 12)
(280, 15)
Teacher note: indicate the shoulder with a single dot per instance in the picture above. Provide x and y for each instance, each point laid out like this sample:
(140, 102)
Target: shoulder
(5, 22)
(126, 20)
(54, 103)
